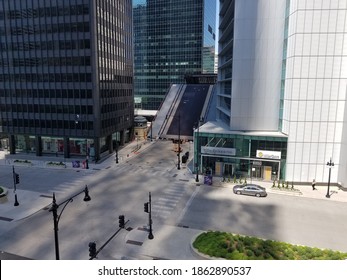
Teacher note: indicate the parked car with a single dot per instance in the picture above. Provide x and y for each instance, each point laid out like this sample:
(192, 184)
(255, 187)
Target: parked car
(250, 189)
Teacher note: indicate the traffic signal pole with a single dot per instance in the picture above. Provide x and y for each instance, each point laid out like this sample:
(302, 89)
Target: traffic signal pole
(150, 235)
(108, 241)
(15, 182)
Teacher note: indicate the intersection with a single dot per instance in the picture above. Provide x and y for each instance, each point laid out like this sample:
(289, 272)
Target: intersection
(182, 209)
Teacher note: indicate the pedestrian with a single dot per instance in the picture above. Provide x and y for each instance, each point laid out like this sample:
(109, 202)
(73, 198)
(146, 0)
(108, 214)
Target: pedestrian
(314, 185)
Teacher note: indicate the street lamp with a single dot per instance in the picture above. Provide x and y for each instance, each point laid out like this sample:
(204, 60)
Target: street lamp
(148, 209)
(150, 234)
(330, 164)
(56, 216)
(179, 143)
(197, 153)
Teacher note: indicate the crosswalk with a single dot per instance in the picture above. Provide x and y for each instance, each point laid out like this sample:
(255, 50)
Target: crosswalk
(164, 205)
(67, 187)
(168, 200)
(156, 171)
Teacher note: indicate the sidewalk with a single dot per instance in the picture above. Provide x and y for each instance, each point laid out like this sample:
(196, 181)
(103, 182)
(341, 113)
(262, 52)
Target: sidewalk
(167, 239)
(336, 193)
(27, 159)
(31, 202)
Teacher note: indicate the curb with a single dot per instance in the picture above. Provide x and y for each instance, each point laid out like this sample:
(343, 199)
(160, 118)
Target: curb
(4, 193)
(199, 255)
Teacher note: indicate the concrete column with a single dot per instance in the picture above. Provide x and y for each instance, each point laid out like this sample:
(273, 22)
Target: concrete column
(109, 143)
(12, 144)
(66, 147)
(38, 146)
(97, 148)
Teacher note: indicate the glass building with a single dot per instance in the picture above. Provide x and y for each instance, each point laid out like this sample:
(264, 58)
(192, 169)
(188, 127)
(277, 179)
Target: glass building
(172, 38)
(66, 75)
(281, 97)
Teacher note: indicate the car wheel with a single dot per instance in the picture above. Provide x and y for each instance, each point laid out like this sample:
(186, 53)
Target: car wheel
(257, 194)
(238, 192)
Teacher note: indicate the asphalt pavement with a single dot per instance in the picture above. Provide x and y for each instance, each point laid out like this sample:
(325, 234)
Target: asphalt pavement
(30, 202)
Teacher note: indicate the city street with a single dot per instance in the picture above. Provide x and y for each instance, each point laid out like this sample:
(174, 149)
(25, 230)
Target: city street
(181, 208)
(116, 189)
(297, 220)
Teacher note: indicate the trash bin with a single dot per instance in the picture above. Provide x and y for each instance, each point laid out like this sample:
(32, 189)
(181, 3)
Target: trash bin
(184, 159)
(187, 154)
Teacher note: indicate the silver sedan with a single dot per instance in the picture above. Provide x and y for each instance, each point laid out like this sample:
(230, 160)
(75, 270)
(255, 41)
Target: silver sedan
(250, 189)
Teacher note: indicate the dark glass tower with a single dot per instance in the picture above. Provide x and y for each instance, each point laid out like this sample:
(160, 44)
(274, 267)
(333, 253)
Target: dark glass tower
(171, 38)
(66, 83)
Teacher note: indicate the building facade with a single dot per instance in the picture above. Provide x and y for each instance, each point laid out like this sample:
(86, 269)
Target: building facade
(66, 75)
(172, 38)
(282, 76)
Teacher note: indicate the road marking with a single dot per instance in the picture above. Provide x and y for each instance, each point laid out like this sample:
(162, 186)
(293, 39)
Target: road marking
(188, 203)
(156, 206)
(133, 242)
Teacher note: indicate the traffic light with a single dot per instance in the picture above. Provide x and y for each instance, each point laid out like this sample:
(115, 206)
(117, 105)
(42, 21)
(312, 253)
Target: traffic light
(145, 207)
(121, 221)
(17, 178)
(92, 249)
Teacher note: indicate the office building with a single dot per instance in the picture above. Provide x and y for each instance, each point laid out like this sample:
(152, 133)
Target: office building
(281, 98)
(172, 38)
(66, 76)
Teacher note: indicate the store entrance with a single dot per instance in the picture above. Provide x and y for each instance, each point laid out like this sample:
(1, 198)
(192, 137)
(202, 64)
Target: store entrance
(257, 172)
(228, 169)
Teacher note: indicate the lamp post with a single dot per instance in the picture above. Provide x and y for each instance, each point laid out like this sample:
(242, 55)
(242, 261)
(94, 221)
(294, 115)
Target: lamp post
(56, 216)
(179, 143)
(197, 151)
(197, 154)
(148, 209)
(150, 234)
(330, 164)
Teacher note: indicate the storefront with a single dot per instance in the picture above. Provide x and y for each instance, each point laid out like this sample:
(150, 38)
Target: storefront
(52, 145)
(94, 148)
(260, 155)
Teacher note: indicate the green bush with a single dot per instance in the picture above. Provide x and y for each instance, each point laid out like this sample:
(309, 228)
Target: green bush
(54, 163)
(237, 247)
(22, 161)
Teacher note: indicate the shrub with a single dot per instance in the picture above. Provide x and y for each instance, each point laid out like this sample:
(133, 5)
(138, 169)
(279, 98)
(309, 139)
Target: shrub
(22, 161)
(257, 252)
(237, 247)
